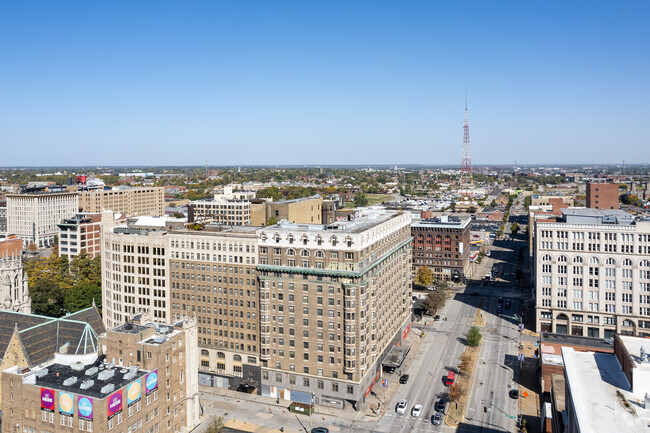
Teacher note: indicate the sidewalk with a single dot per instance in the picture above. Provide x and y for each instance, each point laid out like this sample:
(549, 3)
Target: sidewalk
(529, 406)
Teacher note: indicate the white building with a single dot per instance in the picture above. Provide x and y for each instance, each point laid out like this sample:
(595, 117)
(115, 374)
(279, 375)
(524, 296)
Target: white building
(34, 217)
(135, 275)
(592, 274)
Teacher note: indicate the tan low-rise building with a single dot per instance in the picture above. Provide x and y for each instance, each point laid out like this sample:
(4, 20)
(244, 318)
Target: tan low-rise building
(149, 201)
(307, 210)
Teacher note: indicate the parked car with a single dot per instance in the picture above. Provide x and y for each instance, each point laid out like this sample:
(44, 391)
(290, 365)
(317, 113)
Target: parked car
(404, 379)
(439, 405)
(320, 430)
(401, 406)
(436, 419)
(417, 410)
(500, 300)
(436, 318)
(514, 393)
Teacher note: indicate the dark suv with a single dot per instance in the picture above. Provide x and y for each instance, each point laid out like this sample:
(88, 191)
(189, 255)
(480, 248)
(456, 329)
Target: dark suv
(404, 379)
(440, 405)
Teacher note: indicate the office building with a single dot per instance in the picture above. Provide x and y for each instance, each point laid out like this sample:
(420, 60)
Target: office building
(225, 212)
(81, 233)
(33, 217)
(443, 245)
(602, 195)
(306, 210)
(149, 201)
(592, 274)
(212, 276)
(334, 300)
(135, 274)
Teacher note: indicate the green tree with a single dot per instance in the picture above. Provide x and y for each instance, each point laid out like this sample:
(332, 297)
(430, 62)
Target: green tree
(216, 425)
(178, 215)
(493, 203)
(47, 298)
(424, 276)
(514, 228)
(272, 221)
(81, 296)
(474, 336)
(360, 199)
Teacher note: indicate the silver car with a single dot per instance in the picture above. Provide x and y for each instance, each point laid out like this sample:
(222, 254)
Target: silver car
(436, 419)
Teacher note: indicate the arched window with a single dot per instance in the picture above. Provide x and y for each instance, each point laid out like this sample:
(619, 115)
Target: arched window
(644, 264)
(221, 355)
(319, 254)
(577, 259)
(562, 259)
(546, 258)
(562, 316)
(205, 352)
(291, 252)
(304, 253)
(236, 358)
(627, 322)
(594, 261)
(610, 261)
(627, 262)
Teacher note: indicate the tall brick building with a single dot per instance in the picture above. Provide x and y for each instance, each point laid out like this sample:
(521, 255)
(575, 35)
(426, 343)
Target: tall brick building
(602, 195)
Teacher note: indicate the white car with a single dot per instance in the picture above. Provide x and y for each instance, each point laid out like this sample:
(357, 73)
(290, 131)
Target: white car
(401, 406)
(417, 410)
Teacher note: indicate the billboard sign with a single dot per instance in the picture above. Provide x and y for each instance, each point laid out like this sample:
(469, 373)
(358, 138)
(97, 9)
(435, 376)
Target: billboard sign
(66, 403)
(133, 392)
(114, 404)
(85, 408)
(47, 399)
(151, 382)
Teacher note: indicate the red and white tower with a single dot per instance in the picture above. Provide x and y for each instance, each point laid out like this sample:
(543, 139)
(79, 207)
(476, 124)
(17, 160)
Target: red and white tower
(466, 183)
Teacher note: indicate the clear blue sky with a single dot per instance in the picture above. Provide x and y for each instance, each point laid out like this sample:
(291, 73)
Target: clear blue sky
(323, 82)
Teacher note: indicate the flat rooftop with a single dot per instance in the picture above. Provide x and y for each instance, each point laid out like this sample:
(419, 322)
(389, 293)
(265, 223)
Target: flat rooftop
(449, 222)
(600, 394)
(367, 219)
(55, 376)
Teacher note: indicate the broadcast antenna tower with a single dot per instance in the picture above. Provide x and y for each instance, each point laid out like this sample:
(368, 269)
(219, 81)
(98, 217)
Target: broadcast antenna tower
(466, 182)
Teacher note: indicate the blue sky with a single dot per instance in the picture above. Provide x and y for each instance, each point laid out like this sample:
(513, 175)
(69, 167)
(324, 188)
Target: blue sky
(323, 82)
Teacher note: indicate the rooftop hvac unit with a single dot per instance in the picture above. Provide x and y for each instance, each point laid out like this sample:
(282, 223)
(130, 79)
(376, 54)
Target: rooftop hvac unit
(88, 383)
(107, 389)
(106, 375)
(77, 366)
(92, 371)
(70, 381)
(42, 373)
(129, 376)
(109, 365)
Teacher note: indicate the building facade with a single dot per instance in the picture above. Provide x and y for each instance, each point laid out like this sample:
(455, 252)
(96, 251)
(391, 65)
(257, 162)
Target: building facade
(602, 195)
(80, 233)
(135, 274)
(153, 390)
(334, 300)
(443, 245)
(213, 276)
(592, 274)
(14, 287)
(149, 201)
(226, 212)
(34, 217)
(306, 210)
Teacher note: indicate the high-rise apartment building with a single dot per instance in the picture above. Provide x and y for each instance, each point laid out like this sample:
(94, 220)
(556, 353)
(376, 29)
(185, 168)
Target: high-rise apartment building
(592, 274)
(135, 270)
(33, 217)
(602, 195)
(334, 300)
(140, 201)
(443, 245)
(212, 276)
(80, 233)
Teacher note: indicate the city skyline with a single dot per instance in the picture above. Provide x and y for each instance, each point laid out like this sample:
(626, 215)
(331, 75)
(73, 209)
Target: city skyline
(322, 84)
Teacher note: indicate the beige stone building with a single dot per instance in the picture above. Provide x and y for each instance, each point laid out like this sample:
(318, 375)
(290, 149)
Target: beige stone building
(334, 300)
(144, 380)
(33, 217)
(135, 270)
(307, 210)
(212, 275)
(592, 274)
(149, 201)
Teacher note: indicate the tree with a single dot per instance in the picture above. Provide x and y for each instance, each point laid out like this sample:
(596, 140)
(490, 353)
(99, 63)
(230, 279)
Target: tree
(178, 215)
(471, 209)
(464, 362)
(216, 425)
(272, 221)
(360, 199)
(456, 392)
(424, 276)
(493, 203)
(434, 301)
(81, 296)
(473, 336)
(47, 298)
(514, 228)
(32, 247)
